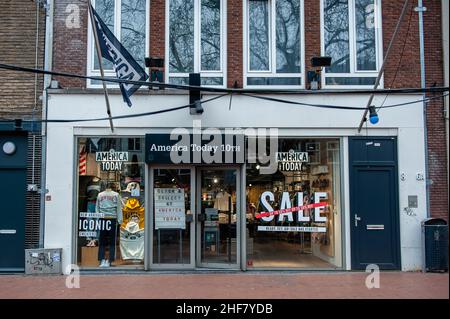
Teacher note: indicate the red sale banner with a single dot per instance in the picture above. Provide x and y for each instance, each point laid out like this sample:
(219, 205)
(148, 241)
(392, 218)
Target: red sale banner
(289, 210)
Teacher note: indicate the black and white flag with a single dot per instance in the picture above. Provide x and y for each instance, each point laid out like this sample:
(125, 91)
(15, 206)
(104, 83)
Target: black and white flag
(125, 65)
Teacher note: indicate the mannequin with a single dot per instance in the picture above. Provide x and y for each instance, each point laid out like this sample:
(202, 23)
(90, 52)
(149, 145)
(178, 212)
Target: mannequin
(109, 204)
(92, 193)
(132, 231)
(221, 201)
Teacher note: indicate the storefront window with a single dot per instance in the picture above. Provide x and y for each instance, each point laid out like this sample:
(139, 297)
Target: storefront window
(308, 178)
(110, 228)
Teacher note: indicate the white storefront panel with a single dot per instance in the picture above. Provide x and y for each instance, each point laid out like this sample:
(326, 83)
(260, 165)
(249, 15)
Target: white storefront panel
(405, 122)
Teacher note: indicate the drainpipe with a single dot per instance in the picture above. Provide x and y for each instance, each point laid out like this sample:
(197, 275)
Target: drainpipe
(421, 9)
(445, 52)
(35, 103)
(48, 55)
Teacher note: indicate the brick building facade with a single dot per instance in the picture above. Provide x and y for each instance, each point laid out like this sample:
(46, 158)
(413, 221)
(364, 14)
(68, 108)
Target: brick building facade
(22, 37)
(402, 69)
(328, 136)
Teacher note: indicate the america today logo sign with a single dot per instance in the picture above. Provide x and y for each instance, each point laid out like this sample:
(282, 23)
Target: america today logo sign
(111, 160)
(214, 146)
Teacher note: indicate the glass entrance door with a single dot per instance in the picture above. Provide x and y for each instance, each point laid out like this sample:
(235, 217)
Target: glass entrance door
(195, 218)
(173, 228)
(218, 218)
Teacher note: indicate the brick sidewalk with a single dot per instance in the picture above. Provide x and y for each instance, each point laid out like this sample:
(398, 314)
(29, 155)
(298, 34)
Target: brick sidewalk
(229, 285)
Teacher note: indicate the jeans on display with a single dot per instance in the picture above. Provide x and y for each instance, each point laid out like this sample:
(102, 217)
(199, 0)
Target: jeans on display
(108, 236)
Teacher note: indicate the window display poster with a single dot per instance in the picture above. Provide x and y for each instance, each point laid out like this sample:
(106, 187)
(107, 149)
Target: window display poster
(212, 217)
(169, 208)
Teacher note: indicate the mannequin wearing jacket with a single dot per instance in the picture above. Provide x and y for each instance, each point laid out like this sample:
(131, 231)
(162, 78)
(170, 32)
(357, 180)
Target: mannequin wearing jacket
(109, 204)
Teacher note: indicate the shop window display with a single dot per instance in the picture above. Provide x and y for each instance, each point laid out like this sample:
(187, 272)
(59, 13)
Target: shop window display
(218, 205)
(111, 207)
(294, 215)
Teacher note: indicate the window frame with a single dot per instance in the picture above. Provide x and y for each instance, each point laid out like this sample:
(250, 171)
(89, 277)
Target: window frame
(271, 73)
(354, 72)
(75, 253)
(117, 33)
(222, 73)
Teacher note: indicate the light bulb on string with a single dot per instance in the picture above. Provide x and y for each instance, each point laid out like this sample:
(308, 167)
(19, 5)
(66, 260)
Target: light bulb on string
(373, 116)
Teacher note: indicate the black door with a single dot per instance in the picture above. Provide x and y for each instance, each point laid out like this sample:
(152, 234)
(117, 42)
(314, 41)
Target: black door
(374, 203)
(12, 199)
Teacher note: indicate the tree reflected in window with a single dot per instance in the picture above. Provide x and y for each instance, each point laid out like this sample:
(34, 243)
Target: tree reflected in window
(105, 9)
(200, 20)
(133, 28)
(274, 28)
(210, 35)
(350, 51)
(181, 36)
(259, 35)
(288, 36)
(132, 21)
(336, 26)
(365, 35)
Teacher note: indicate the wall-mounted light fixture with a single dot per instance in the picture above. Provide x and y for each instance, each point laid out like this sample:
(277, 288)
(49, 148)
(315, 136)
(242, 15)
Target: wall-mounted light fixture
(154, 62)
(156, 66)
(373, 116)
(195, 94)
(314, 75)
(320, 61)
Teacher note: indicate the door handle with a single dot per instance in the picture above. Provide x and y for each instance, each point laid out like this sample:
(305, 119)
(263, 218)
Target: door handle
(189, 218)
(357, 219)
(8, 231)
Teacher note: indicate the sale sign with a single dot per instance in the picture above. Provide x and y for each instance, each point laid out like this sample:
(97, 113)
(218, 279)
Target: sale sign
(286, 208)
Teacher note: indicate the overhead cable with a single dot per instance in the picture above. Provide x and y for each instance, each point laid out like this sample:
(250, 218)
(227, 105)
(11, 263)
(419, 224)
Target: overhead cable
(227, 90)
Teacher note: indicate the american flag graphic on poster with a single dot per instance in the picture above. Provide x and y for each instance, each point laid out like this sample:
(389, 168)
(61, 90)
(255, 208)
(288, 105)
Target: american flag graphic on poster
(83, 156)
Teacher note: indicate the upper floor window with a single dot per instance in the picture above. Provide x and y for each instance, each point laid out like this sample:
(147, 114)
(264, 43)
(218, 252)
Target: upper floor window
(351, 35)
(128, 20)
(195, 42)
(274, 50)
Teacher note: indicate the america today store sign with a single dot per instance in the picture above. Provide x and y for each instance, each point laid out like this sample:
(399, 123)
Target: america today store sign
(188, 148)
(198, 145)
(111, 160)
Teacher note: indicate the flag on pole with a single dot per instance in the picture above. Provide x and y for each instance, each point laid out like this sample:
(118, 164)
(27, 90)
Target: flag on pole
(125, 65)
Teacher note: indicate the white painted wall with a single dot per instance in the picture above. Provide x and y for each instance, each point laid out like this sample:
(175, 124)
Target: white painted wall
(406, 122)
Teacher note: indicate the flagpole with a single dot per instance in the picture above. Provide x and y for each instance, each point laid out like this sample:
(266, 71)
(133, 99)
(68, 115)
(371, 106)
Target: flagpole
(102, 73)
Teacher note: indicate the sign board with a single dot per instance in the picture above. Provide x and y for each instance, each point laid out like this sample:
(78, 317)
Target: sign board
(169, 208)
(91, 223)
(212, 217)
(186, 148)
(292, 212)
(302, 229)
(111, 160)
(292, 160)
